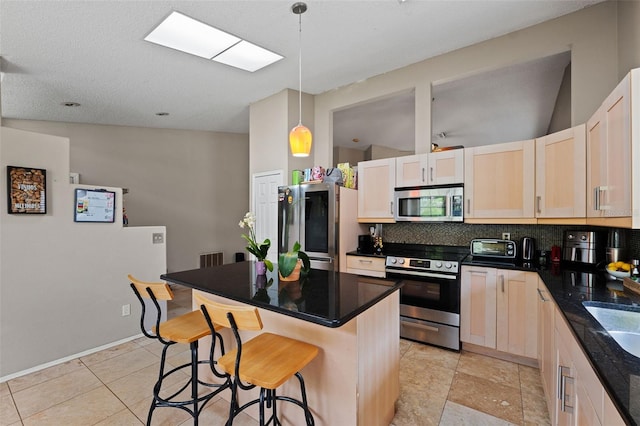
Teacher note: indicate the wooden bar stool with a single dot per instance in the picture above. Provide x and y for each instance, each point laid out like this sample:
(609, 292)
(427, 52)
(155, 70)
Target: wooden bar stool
(185, 329)
(267, 360)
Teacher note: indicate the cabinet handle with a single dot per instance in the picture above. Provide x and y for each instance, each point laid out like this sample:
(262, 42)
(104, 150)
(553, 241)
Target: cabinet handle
(502, 282)
(541, 296)
(431, 174)
(423, 174)
(478, 272)
(468, 205)
(596, 198)
(368, 261)
(538, 201)
(391, 207)
(563, 387)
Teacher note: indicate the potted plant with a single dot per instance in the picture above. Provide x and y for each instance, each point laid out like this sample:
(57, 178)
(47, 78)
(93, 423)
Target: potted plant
(292, 263)
(259, 250)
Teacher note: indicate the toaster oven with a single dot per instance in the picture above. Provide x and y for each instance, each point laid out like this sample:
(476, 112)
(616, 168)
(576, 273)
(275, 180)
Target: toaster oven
(493, 247)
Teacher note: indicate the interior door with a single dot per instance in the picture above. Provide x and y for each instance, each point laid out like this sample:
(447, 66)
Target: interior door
(265, 206)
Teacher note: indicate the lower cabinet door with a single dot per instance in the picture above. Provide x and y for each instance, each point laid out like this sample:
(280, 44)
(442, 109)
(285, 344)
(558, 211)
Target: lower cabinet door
(478, 306)
(517, 312)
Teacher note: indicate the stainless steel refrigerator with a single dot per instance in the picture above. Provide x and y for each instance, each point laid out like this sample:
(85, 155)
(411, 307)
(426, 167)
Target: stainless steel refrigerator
(310, 214)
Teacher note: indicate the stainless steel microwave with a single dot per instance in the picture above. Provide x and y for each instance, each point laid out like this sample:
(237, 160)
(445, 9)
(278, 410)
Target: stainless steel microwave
(429, 204)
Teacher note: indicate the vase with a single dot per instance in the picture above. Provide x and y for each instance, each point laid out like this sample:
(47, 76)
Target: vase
(261, 267)
(295, 275)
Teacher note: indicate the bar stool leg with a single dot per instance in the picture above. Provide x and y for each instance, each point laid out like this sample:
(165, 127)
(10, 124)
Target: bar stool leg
(194, 380)
(307, 411)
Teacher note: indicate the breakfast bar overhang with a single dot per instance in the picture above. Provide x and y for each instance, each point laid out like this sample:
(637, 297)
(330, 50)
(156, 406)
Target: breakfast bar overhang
(353, 319)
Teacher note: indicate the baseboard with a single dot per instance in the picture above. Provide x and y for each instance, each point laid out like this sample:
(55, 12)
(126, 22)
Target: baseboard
(67, 358)
(518, 359)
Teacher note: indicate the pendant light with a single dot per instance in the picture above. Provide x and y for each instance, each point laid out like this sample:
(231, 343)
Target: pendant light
(300, 137)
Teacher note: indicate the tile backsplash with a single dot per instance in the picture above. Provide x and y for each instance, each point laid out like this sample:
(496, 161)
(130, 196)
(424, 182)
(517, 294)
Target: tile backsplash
(461, 234)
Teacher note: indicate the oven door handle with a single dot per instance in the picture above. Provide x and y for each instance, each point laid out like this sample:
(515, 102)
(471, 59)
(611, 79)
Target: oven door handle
(400, 273)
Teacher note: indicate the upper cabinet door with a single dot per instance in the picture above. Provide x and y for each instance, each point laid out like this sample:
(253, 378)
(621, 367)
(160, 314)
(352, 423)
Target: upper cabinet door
(375, 190)
(445, 167)
(561, 160)
(609, 156)
(411, 170)
(499, 183)
(435, 168)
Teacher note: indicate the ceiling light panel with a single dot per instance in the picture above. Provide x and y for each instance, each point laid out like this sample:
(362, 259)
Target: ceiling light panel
(247, 56)
(186, 34)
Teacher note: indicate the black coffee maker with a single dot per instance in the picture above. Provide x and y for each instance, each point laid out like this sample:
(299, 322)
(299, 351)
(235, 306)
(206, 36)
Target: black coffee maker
(365, 244)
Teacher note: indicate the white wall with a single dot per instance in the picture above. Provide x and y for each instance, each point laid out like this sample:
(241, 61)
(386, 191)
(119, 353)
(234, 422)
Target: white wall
(63, 284)
(195, 183)
(270, 121)
(590, 33)
(628, 36)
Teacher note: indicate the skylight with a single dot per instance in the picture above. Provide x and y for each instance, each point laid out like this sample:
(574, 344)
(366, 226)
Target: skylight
(188, 35)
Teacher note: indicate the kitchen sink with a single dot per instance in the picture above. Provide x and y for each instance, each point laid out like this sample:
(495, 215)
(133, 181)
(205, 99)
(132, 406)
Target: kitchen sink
(622, 322)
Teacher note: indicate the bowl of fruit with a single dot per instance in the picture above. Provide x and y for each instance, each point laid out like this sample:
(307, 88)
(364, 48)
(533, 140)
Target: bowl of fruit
(619, 270)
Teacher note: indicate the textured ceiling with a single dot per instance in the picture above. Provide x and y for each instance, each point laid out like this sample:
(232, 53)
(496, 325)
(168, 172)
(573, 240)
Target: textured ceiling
(92, 52)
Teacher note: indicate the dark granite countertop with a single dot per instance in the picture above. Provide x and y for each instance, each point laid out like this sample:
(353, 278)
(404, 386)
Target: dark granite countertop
(570, 285)
(327, 298)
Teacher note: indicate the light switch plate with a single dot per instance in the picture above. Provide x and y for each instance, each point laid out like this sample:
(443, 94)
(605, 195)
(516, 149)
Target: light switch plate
(506, 235)
(158, 238)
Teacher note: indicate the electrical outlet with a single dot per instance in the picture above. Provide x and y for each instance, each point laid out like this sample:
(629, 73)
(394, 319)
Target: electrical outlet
(506, 235)
(126, 310)
(158, 238)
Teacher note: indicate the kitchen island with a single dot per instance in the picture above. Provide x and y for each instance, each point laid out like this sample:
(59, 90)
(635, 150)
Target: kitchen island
(353, 319)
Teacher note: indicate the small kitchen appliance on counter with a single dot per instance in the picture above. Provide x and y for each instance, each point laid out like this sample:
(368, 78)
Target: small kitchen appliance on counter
(527, 249)
(616, 246)
(494, 249)
(365, 244)
(583, 247)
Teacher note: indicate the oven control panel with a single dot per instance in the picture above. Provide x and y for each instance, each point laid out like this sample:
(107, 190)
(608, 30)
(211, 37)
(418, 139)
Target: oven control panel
(408, 263)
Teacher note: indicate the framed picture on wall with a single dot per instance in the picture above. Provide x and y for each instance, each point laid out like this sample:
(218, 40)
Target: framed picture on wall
(26, 190)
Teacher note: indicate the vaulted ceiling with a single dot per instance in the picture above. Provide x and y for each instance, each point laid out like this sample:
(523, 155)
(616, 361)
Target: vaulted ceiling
(93, 53)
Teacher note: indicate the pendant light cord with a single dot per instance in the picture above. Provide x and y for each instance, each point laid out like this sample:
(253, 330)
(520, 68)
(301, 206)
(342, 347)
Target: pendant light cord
(300, 69)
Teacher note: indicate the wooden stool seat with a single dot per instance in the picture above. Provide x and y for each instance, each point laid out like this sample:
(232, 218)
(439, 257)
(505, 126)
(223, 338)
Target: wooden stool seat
(266, 361)
(269, 360)
(187, 329)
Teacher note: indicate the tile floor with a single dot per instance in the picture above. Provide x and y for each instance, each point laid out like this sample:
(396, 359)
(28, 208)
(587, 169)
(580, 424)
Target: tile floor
(112, 387)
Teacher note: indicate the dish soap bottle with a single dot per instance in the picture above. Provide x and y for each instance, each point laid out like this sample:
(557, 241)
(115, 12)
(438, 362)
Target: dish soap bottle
(635, 275)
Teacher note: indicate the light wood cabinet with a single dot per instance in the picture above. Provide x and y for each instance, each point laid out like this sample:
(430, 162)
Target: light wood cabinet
(376, 180)
(500, 182)
(546, 346)
(478, 306)
(411, 170)
(517, 312)
(435, 168)
(610, 413)
(499, 310)
(366, 265)
(561, 160)
(445, 167)
(565, 394)
(575, 395)
(609, 159)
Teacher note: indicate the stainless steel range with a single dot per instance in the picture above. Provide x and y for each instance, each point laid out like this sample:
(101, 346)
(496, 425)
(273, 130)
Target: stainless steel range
(430, 297)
